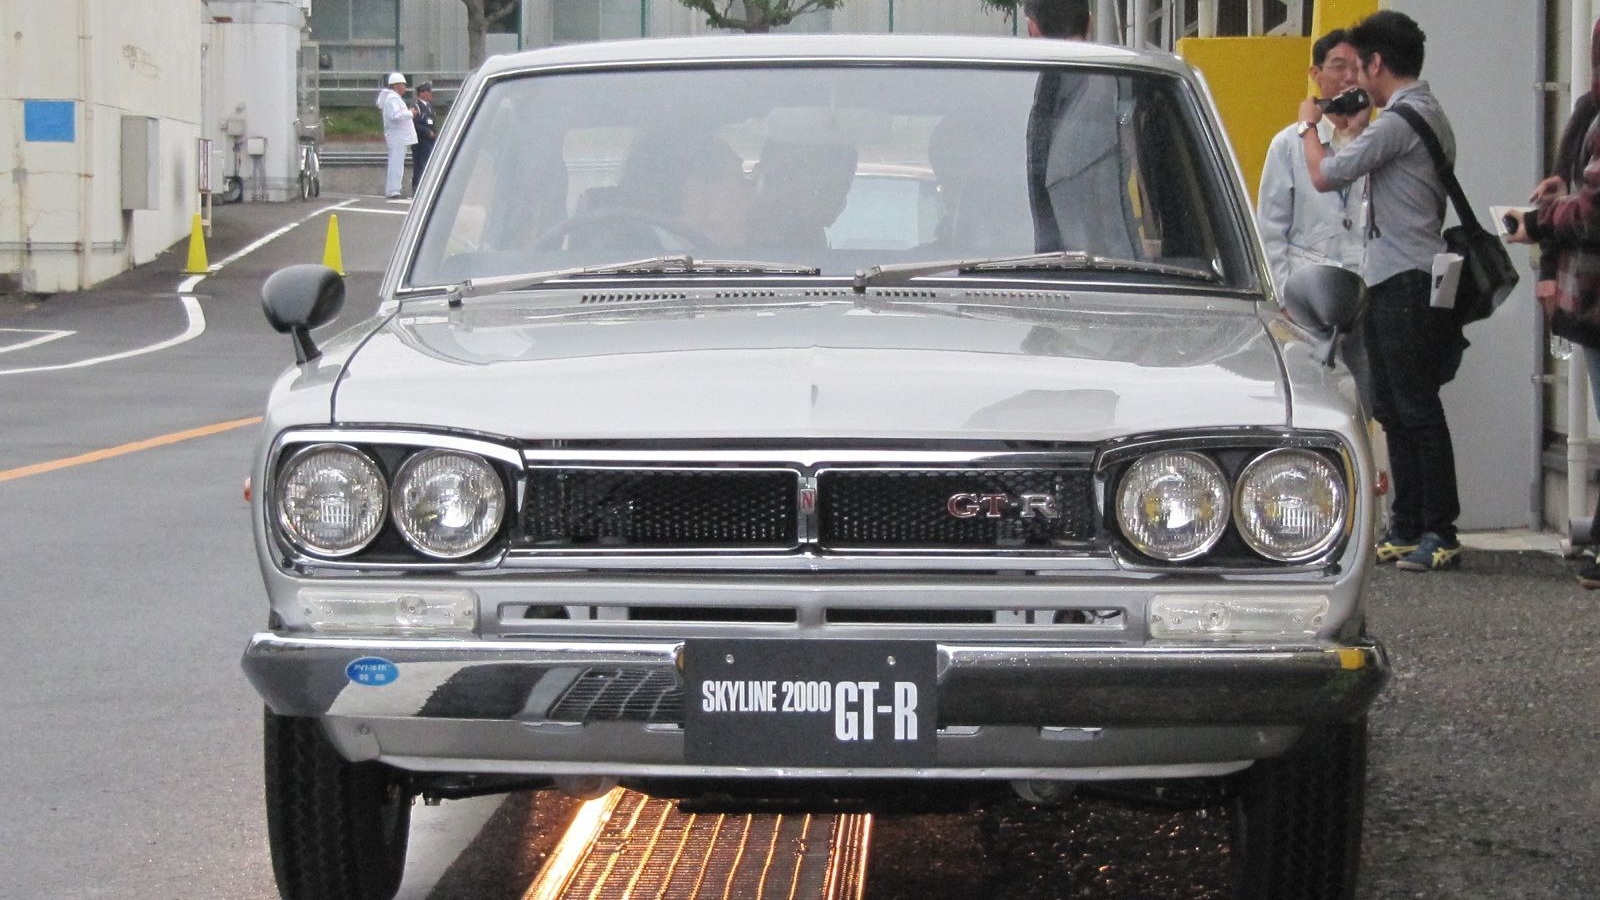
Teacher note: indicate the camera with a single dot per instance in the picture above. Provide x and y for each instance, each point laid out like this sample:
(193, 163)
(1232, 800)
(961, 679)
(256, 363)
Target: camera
(1348, 103)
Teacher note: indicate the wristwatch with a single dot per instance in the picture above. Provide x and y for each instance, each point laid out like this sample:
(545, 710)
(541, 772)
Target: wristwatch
(1303, 127)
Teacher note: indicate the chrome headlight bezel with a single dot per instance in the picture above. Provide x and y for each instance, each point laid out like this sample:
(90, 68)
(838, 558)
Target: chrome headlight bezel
(1234, 451)
(388, 448)
(1205, 474)
(1327, 477)
(377, 487)
(485, 523)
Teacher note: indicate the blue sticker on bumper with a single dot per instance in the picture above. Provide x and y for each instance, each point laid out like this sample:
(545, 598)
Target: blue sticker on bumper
(372, 670)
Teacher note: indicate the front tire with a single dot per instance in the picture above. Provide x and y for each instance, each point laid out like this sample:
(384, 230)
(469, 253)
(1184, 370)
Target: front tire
(338, 829)
(1297, 833)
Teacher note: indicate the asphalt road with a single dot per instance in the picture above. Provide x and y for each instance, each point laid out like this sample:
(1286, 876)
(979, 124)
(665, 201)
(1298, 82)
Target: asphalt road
(128, 585)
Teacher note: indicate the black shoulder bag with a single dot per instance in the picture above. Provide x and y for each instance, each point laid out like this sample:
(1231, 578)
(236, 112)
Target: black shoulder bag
(1487, 272)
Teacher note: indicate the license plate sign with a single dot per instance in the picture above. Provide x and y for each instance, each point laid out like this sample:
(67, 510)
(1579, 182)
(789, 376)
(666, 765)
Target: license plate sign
(810, 703)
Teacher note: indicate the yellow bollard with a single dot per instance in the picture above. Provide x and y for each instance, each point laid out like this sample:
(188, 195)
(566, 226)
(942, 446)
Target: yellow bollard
(197, 251)
(331, 256)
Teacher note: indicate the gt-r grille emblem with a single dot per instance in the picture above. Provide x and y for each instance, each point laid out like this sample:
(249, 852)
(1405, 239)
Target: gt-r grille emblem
(995, 506)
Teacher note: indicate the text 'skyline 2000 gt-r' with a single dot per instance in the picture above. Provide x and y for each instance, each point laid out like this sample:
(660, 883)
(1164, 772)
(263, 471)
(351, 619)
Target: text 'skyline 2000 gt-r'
(861, 417)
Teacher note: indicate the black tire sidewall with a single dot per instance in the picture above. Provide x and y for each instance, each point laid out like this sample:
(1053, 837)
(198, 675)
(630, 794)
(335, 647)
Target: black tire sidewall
(338, 830)
(1298, 818)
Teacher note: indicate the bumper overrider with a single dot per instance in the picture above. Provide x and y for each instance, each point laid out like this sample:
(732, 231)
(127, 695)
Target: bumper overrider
(812, 707)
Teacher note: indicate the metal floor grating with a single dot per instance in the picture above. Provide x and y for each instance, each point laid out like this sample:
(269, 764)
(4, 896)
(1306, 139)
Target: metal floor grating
(627, 845)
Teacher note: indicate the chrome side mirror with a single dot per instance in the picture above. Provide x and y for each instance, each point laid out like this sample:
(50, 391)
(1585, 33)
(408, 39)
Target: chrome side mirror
(1327, 301)
(297, 299)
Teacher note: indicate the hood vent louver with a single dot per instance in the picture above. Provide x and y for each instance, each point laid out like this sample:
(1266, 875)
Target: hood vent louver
(631, 297)
(606, 297)
(1049, 298)
(904, 294)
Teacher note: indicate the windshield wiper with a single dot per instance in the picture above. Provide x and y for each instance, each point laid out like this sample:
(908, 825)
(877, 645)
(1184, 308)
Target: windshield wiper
(675, 264)
(1065, 260)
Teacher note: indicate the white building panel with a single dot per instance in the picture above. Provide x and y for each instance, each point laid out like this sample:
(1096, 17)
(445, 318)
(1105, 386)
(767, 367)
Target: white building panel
(62, 226)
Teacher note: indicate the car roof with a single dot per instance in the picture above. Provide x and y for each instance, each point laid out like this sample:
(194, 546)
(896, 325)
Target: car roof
(863, 47)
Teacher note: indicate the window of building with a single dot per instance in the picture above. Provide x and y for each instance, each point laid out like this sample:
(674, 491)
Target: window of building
(510, 23)
(346, 20)
(595, 20)
(818, 21)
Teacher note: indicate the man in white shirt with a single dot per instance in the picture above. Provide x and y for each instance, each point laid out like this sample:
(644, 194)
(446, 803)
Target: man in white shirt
(1300, 225)
(399, 131)
(1076, 171)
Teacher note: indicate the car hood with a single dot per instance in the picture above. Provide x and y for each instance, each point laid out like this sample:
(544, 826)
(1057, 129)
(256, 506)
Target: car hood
(795, 368)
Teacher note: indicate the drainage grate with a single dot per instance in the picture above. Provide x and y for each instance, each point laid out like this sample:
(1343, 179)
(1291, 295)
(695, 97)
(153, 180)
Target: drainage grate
(627, 845)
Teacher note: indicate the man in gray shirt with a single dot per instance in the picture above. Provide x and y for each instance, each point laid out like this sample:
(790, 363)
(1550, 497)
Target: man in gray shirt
(1414, 348)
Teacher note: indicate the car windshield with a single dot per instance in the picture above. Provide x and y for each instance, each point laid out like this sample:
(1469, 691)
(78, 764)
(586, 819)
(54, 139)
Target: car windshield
(835, 167)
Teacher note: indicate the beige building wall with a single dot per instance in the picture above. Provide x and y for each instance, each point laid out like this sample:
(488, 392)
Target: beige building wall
(63, 225)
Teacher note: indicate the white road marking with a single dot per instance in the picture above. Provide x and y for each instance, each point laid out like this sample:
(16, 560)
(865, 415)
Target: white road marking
(196, 318)
(381, 212)
(189, 283)
(196, 327)
(44, 337)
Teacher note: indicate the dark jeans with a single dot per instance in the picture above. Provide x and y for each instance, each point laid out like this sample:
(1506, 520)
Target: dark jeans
(420, 152)
(1413, 350)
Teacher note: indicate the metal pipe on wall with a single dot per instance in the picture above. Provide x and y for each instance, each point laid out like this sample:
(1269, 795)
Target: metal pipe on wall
(86, 146)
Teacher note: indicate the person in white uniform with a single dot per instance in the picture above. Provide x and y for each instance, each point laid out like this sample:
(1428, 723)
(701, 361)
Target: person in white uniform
(1300, 225)
(399, 131)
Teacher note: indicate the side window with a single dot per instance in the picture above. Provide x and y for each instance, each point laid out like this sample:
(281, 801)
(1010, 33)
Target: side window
(1168, 205)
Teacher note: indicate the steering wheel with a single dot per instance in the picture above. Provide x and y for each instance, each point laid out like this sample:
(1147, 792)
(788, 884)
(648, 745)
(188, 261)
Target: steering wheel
(625, 226)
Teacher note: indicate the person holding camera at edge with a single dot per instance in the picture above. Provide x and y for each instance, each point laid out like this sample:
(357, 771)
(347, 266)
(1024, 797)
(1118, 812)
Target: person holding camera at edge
(1565, 224)
(1413, 348)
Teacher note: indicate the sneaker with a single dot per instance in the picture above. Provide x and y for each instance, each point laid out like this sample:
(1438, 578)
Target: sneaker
(1393, 545)
(1433, 552)
(391, 197)
(1589, 575)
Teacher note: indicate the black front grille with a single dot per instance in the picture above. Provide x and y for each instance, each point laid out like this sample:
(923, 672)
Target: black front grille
(621, 695)
(658, 509)
(911, 509)
(583, 509)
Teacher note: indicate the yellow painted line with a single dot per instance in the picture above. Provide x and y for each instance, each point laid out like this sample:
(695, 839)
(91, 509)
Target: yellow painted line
(135, 447)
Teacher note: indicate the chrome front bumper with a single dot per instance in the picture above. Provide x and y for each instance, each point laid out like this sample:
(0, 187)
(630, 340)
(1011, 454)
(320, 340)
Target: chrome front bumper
(1004, 711)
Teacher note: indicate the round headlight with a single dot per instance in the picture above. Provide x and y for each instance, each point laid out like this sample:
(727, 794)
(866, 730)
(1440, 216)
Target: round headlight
(1173, 506)
(331, 500)
(448, 504)
(1290, 505)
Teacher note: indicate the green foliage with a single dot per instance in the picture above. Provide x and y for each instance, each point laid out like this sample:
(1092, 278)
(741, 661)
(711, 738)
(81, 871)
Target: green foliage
(758, 15)
(351, 121)
(1008, 7)
(364, 122)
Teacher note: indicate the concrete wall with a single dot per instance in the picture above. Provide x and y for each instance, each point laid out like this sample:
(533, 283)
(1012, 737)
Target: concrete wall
(62, 226)
(1483, 65)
